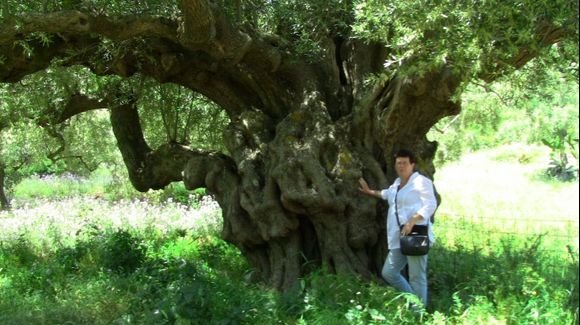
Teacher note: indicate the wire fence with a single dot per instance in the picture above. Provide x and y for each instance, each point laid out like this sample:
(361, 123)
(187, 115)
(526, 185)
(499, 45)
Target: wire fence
(558, 239)
(564, 228)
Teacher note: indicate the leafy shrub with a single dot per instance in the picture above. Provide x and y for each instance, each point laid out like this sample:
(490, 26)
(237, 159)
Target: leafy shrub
(18, 252)
(177, 192)
(219, 254)
(121, 252)
(68, 258)
(562, 171)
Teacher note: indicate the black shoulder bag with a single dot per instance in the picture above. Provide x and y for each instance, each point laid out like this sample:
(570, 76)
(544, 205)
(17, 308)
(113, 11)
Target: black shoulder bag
(415, 243)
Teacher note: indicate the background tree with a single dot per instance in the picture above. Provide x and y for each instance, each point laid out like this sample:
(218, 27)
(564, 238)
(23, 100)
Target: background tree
(514, 109)
(318, 94)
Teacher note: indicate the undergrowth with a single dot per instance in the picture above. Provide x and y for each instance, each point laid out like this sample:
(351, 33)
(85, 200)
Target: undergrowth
(159, 260)
(119, 276)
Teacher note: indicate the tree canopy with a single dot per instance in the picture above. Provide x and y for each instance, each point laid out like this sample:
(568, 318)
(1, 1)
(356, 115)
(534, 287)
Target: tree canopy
(477, 38)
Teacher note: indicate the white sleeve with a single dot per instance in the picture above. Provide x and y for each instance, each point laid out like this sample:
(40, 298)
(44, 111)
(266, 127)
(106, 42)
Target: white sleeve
(427, 197)
(385, 194)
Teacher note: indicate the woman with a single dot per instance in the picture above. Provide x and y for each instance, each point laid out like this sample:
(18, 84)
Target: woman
(415, 204)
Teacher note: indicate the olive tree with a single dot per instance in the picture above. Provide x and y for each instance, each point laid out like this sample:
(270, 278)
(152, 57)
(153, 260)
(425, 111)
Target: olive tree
(318, 94)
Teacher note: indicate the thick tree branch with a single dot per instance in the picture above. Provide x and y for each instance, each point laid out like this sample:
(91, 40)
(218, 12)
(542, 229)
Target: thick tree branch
(219, 175)
(55, 131)
(4, 202)
(132, 144)
(73, 22)
(409, 107)
(198, 25)
(78, 104)
(209, 67)
(547, 35)
(206, 27)
(148, 169)
(130, 27)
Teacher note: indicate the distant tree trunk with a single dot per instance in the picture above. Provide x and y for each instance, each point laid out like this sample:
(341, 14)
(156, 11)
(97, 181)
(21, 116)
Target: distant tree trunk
(4, 203)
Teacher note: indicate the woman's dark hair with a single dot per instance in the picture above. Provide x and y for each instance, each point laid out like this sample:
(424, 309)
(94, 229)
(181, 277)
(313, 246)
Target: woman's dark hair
(404, 153)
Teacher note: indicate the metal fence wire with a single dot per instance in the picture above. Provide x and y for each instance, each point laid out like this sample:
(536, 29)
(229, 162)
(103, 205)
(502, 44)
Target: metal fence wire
(558, 239)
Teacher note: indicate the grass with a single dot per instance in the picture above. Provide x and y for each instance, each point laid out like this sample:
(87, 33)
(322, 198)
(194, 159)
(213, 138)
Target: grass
(86, 260)
(505, 189)
(508, 235)
(105, 182)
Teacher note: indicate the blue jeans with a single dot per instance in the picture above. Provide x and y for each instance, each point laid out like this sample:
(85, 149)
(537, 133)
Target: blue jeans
(417, 283)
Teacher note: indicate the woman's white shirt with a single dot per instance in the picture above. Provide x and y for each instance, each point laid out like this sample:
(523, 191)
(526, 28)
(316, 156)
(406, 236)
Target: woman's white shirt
(417, 196)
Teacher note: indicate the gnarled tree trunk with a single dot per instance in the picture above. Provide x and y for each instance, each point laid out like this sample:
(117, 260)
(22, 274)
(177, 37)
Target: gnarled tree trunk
(288, 186)
(289, 189)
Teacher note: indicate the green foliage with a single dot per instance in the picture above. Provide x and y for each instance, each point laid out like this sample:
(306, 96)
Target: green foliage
(35, 187)
(70, 257)
(425, 34)
(184, 116)
(518, 278)
(504, 113)
(109, 183)
(85, 142)
(12, 7)
(471, 37)
(510, 283)
(307, 24)
(560, 134)
(32, 144)
(191, 291)
(560, 170)
(121, 252)
(20, 253)
(178, 193)
(462, 35)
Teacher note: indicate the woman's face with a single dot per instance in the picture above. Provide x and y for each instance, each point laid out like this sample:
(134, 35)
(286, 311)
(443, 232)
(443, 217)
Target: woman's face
(404, 167)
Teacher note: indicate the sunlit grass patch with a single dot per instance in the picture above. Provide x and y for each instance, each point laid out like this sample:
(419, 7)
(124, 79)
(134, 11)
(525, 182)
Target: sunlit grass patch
(43, 186)
(480, 187)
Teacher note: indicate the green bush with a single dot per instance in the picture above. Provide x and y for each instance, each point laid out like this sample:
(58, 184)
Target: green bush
(19, 253)
(121, 252)
(178, 193)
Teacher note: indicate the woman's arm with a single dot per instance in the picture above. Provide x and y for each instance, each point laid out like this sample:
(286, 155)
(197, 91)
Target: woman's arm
(364, 187)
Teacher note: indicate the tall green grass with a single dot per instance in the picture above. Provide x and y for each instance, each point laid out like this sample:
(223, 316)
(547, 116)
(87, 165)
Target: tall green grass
(86, 260)
(120, 276)
(105, 182)
(506, 182)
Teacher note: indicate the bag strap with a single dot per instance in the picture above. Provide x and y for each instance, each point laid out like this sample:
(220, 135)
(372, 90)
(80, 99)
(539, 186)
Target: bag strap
(396, 209)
